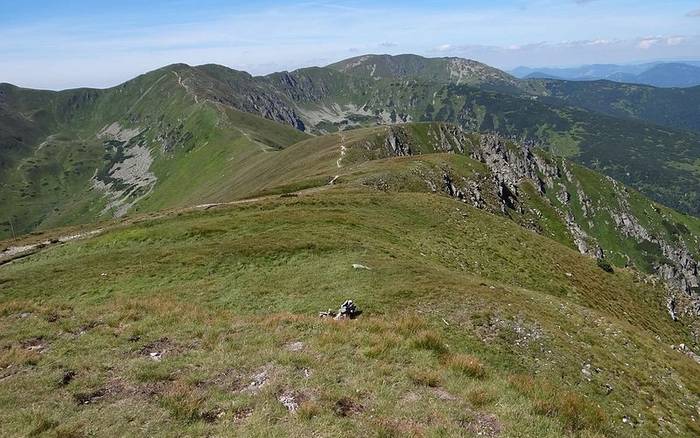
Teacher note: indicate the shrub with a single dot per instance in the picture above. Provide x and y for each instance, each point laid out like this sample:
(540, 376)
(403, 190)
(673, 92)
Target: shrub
(480, 397)
(575, 412)
(604, 265)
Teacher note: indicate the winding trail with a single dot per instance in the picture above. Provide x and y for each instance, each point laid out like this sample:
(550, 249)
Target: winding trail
(184, 85)
(343, 150)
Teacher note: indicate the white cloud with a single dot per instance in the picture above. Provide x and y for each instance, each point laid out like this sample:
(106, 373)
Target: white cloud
(579, 52)
(647, 43)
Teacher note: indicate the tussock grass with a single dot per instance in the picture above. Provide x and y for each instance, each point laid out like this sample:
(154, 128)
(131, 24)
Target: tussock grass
(430, 340)
(466, 364)
(431, 378)
(574, 411)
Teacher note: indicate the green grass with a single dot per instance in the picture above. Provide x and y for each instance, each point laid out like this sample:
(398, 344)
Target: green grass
(469, 323)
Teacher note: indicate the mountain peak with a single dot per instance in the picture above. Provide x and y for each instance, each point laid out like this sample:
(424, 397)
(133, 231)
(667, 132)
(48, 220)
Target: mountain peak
(451, 70)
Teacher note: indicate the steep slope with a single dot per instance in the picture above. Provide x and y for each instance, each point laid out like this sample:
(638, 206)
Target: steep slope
(586, 211)
(660, 162)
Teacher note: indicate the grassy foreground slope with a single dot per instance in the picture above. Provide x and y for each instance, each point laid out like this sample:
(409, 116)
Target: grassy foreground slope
(205, 323)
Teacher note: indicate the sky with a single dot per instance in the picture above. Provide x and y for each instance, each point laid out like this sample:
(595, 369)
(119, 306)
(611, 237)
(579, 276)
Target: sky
(62, 44)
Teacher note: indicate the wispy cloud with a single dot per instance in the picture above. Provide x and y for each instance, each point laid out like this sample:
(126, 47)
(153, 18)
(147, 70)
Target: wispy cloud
(693, 13)
(600, 50)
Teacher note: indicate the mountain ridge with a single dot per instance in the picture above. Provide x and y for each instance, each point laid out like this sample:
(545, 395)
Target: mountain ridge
(672, 74)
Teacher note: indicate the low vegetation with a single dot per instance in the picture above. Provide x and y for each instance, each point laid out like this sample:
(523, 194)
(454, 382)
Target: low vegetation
(205, 322)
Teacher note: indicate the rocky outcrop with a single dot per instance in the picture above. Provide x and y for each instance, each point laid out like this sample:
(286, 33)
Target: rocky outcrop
(127, 177)
(512, 163)
(397, 143)
(680, 271)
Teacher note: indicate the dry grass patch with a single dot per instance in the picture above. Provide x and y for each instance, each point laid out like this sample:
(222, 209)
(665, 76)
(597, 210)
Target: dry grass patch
(16, 357)
(185, 403)
(410, 324)
(575, 412)
(430, 340)
(423, 377)
(480, 397)
(466, 364)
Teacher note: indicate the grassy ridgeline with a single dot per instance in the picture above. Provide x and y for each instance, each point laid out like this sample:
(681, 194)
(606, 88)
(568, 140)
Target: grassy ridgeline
(471, 324)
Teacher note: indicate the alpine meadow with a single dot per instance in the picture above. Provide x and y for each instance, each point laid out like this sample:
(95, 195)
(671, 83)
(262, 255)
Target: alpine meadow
(387, 245)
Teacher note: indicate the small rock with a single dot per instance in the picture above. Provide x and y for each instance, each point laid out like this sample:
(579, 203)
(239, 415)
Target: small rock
(347, 310)
(295, 346)
(359, 266)
(442, 394)
(568, 274)
(156, 355)
(259, 379)
(25, 315)
(289, 401)
(586, 371)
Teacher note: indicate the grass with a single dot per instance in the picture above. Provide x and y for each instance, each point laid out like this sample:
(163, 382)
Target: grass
(440, 349)
(467, 365)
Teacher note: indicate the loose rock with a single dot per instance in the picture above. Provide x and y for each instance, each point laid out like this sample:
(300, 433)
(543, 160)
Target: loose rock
(347, 310)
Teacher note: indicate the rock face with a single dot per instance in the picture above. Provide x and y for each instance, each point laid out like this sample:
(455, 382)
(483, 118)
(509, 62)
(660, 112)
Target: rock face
(397, 144)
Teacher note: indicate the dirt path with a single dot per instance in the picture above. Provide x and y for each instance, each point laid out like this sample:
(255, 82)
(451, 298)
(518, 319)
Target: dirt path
(343, 149)
(15, 252)
(184, 85)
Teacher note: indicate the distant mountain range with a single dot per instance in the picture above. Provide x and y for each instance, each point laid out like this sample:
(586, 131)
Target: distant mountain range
(657, 74)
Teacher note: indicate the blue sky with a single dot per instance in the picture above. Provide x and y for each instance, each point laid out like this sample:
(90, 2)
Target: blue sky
(62, 44)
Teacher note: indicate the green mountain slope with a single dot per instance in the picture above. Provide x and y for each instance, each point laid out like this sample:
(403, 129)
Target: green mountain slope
(661, 162)
(438, 70)
(676, 108)
(81, 155)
